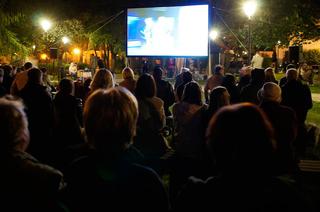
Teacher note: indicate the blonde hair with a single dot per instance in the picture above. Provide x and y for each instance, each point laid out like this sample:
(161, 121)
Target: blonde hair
(110, 118)
(127, 73)
(102, 79)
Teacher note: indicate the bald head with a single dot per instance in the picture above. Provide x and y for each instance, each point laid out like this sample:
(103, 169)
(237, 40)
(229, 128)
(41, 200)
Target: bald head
(292, 74)
(270, 92)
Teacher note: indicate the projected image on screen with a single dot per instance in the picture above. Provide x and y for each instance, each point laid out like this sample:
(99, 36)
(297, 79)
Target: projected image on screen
(168, 31)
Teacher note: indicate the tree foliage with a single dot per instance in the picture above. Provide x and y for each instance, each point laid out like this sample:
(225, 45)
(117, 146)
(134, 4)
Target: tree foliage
(9, 41)
(289, 21)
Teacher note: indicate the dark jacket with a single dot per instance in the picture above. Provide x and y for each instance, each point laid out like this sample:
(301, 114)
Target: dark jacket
(284, 122)
(298, 97)
(166, 93)
(39, 109)
(98, 184)
(27, 184)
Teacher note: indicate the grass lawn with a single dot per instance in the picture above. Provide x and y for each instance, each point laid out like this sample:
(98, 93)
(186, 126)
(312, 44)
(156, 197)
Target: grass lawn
(314, 114)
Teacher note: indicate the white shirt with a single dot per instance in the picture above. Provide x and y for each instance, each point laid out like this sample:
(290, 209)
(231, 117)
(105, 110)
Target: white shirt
(256, 61)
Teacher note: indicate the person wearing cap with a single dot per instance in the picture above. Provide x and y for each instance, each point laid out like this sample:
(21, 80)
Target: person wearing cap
(284, 122)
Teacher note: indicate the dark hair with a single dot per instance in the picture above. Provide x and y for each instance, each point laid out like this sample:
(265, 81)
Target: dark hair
(248, 149)
(186, 76)
(44, 70)
(34, 75)
(66, 86)
(192, 93)
(146, 87)
(157, 73)
(257, 76)
(27, 65)
(228, 80)
(217, 69)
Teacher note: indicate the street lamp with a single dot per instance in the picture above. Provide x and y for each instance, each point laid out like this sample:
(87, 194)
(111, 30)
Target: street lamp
(214, 34)
(45, 24)
(65, 40)
(249, 8)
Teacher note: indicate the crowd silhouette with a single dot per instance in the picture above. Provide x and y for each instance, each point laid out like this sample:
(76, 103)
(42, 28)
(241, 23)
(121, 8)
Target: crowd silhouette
(96, 146)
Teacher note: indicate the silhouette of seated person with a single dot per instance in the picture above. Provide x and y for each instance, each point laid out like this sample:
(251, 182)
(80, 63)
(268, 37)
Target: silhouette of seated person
(128, 79)
(26, 184)
(284, 122)
(109, 178)
(244, 164)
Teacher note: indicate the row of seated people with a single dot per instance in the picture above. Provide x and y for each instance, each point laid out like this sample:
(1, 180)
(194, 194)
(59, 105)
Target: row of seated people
(117, 139)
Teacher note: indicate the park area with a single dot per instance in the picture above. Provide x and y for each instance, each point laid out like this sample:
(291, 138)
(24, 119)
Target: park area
(160, 105)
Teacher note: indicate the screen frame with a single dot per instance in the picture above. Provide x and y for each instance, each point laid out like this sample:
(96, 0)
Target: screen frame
(163, 56)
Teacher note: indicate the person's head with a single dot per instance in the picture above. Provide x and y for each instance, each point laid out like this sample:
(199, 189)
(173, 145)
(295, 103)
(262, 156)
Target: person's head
(66, 86)
(102, 79)
(186, 76)
(218, 98)
(44, 70)
(292, 74)
(257, 76)
(146, 87)
(13, 125)
(245, 71)
(110, 118)
(229, 80)
(184, 69)
(270, 92)
(27, 65)
(304, 65)
(247, 148)
(289, 66)
(127, 73)
(8, 71)
(35, 76)
(218, 70)
(192, 93)
(269, 75)
(157, 73)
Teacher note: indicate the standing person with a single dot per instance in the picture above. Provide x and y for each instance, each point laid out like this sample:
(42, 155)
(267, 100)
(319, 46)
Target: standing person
(257, 60)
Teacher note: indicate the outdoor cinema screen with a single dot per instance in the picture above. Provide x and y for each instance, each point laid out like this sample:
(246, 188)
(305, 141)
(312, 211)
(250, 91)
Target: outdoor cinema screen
(168, 31)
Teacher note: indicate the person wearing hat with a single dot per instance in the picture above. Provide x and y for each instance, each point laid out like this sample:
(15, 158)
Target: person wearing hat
(284, 122)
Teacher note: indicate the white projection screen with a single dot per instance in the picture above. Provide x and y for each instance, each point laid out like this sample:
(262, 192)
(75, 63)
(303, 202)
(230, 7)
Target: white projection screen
(168, 31)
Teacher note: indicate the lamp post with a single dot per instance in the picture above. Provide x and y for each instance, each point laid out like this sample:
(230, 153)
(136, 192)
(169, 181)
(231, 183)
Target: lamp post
(65, 41)
(45, 25)
(249, 8)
